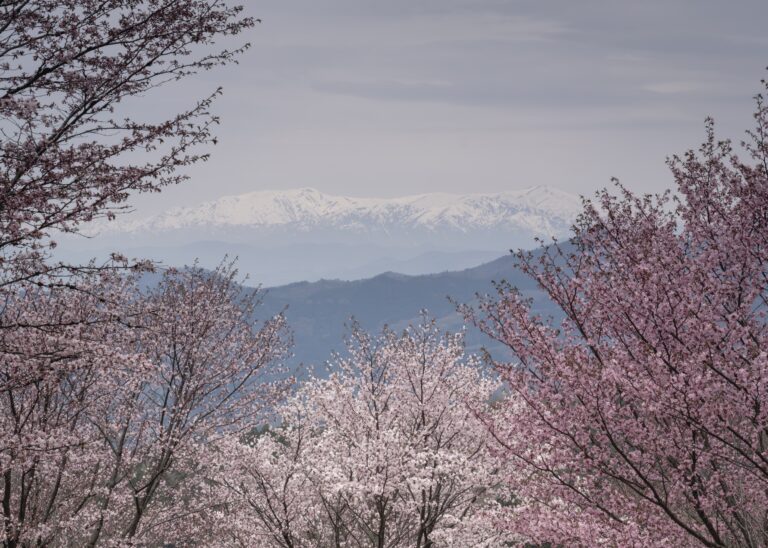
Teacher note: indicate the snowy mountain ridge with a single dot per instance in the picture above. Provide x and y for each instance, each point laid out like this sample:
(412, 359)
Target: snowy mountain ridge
(286, 236)
(540, 210)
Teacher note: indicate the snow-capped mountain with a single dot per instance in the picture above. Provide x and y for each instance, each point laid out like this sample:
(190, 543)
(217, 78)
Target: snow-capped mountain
(286, 236)
(537, 211)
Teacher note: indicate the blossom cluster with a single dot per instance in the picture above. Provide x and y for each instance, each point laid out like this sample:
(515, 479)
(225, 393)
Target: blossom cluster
(386, 451)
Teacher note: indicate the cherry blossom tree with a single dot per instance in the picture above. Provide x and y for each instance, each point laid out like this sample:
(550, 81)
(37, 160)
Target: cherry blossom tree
(61, 357)
(67, 154)
(385, 452)
(106, 397)
(108, 424)
(641, 419)
(110, 397)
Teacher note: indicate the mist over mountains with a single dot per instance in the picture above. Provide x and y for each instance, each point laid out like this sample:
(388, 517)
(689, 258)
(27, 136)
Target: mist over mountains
(281, 237)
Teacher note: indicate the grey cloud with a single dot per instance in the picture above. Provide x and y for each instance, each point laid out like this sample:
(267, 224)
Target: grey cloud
(371, 97)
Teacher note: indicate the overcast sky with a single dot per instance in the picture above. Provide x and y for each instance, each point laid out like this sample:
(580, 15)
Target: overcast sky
(394, 97)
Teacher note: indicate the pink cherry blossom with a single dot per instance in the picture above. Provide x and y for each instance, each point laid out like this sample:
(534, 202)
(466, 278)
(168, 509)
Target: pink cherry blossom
(387, 451)
(115, 399)
(640, 419)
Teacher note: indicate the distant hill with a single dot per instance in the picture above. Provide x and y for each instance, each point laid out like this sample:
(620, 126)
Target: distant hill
(317, 312)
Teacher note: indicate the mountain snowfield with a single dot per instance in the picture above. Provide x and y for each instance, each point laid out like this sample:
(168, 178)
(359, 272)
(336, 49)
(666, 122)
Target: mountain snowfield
(543, 211)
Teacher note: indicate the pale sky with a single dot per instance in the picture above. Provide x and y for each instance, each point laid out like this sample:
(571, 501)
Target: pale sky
(395, 97)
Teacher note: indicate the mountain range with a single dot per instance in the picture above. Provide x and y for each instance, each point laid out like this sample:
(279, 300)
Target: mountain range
(304, 234)
(538, 210)
(327, 259)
